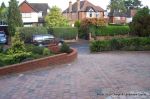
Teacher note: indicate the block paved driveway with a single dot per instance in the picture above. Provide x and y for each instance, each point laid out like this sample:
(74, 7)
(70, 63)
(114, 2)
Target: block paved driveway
(107, 75)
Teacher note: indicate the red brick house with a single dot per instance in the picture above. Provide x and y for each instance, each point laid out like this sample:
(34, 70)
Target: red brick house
(81, 10)
(33, 13)
(120, 18)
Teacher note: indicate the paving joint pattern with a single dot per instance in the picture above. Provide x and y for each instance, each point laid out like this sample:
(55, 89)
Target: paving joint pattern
(111, 75)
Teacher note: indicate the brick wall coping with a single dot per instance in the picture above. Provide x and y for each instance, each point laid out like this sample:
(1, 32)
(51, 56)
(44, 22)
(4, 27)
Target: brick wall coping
(39, 63)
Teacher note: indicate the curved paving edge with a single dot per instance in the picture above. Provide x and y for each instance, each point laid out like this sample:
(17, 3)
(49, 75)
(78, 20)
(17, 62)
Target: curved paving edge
(39, 63)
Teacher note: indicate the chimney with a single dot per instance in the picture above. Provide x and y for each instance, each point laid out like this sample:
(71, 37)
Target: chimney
(78, 5)
(70, 6)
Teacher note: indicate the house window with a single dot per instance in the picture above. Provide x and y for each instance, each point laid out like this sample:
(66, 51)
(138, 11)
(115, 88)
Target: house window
(26, 15)
(90, 14)
(40, 14)
(97, 14)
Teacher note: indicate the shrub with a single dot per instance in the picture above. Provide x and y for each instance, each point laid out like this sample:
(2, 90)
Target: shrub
(65, 48)
(17, 52)
(77, 23)
(140, 26)
(2, 56)
(1, 48)
(98, 46)
(137, 44)
(84, 29)
(28, 32)
(115, 44)
(46, 52)
(65, 32)
(17, 45)
(112, 30)
(34, 49)
(16, 58)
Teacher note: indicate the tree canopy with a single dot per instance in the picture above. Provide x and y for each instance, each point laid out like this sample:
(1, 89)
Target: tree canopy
(55, 18)
(3, 5)
(14, 17)
(3, 13)
(132, 4)
(117, 5)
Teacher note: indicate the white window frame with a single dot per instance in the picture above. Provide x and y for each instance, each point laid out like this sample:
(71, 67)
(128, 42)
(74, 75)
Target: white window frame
(26, 15)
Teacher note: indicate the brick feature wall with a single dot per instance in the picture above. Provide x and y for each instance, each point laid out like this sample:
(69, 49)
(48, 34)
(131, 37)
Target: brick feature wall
(39, 63)
(54, 48)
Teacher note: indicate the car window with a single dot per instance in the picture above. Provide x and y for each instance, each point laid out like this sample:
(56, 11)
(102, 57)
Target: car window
(38, 38)
(2, 35)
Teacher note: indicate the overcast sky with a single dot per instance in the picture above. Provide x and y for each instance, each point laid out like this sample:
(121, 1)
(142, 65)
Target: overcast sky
(63, 4)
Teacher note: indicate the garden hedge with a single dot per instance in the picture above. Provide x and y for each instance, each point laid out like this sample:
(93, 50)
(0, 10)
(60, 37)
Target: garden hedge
(112, 30)
(129, 44)
(28, 32)
(66, 33)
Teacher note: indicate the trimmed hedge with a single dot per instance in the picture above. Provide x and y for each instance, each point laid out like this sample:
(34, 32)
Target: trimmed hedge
(112, 30)
(26, 33)
(66, 33)
(129, 44)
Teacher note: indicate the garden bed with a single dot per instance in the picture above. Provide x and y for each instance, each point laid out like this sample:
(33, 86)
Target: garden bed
(39, 63)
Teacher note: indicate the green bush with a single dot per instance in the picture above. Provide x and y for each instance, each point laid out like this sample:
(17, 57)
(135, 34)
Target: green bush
(1, 48)
(28, 32)
(17, 52)
(65, 48)
(115, 44)
(88, 25)
(34, 49)
(65, 32)
(2, 63)
(132, 44)
(98, 46)
(16, 58)
(112, 30)
(46, 52)
(140, 26)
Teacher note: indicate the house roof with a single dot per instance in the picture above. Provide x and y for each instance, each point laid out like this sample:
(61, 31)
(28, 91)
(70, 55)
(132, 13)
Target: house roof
(84, 7)
(37, 7)
(117, 14)
(40, 7)
(25, 2)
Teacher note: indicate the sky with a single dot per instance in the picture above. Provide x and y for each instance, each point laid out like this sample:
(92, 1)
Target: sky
(63, 4)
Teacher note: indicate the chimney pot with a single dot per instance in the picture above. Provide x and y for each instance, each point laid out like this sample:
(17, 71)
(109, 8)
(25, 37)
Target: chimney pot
(78, 5)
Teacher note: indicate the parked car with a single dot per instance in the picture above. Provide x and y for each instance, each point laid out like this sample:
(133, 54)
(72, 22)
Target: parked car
(3, 37)
(46, 39)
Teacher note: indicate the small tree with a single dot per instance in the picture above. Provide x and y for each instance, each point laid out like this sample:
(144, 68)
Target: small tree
(17, 52)
(55, 18)
(17, 44)
(140, 26)
(3, 5)
(14, 17)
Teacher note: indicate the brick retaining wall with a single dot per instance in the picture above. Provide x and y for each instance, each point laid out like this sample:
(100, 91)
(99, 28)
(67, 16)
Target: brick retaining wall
(39, 63)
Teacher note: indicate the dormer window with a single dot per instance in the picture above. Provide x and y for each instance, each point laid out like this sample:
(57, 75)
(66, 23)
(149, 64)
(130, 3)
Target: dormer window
(90, 12)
